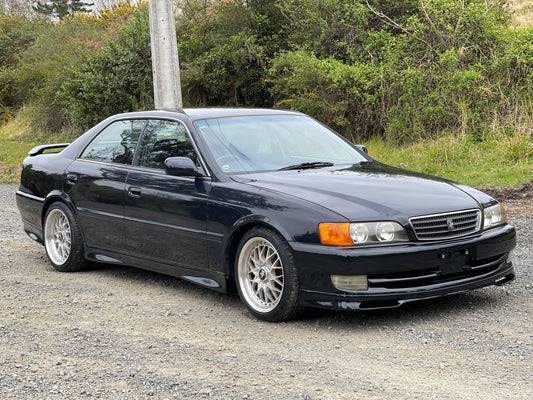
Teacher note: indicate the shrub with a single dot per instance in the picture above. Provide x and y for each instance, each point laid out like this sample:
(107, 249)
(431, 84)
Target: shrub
(340, 95)
(46, 62)
(224, 63)
(117, 78)
(412, 69)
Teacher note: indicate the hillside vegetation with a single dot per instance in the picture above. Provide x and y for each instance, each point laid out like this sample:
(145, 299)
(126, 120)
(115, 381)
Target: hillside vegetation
(522, 12)
(407, 72)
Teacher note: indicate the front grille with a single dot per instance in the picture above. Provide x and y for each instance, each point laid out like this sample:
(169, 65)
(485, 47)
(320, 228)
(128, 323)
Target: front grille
(446, 226)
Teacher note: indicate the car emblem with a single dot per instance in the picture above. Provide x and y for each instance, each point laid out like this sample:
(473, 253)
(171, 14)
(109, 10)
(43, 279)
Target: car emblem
(449, 222)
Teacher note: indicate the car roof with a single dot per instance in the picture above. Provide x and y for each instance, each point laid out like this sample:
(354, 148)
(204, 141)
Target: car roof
(201, 113)
(206, 113)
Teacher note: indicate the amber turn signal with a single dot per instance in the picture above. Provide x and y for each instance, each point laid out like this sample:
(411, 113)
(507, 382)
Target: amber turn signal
(335, 234)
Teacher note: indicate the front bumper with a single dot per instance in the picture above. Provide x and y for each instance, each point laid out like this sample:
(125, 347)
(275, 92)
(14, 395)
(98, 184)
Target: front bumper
(403, 273)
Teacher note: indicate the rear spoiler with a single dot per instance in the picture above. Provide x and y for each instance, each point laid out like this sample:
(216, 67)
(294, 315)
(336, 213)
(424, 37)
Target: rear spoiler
(41, 149)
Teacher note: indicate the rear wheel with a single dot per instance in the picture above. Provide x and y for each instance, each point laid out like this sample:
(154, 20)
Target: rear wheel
(266, 276)
(62, 239)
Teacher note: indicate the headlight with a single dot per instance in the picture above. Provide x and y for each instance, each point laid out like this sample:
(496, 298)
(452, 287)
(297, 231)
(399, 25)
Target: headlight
(494, 216)
(360, 233)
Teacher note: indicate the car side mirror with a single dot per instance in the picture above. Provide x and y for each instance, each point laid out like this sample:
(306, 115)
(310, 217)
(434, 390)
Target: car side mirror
(181, 166)
(362, 147)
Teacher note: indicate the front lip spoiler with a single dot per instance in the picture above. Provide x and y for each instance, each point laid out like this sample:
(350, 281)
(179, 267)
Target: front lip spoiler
(386, 299)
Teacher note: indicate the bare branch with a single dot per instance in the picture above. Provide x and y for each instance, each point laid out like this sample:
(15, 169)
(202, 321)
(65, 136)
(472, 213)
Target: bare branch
(460, 16)
(430, 22)
(396, 25)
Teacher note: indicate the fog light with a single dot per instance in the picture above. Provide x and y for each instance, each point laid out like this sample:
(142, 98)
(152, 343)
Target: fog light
(350, 282)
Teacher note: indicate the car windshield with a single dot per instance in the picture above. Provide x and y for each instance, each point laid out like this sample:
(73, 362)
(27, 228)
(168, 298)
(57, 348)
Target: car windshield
(274, 142)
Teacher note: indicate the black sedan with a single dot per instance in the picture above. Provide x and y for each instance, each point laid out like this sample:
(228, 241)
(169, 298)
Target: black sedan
(271, 203)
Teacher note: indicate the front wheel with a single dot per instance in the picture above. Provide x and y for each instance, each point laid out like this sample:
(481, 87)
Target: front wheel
(266, 276)
(62, 239)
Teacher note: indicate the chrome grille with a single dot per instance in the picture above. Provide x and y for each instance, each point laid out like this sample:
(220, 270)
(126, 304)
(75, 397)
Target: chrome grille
(446, 226)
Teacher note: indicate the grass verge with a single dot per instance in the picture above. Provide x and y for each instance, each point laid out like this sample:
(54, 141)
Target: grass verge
(498, 160)
(12, 152)
(522, 12)
(17, 137)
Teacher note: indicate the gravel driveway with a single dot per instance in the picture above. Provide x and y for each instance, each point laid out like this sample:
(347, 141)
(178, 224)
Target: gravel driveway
(122, 333)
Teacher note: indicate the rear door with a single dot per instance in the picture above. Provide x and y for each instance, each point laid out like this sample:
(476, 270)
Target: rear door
(96, 183)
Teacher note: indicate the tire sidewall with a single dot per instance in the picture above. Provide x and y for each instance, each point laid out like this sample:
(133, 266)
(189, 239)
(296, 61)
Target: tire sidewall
(288, 305)
(75, 260)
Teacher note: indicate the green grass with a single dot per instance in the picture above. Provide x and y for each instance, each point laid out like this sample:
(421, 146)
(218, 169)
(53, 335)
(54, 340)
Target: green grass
(17, 137)
(496, 161)
(12, 152)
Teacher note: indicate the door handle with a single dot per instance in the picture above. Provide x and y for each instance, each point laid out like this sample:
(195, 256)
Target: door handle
(134, 192)
(72, 179)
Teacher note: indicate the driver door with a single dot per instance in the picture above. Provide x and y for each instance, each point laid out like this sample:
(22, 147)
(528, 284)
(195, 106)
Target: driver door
(165, 216)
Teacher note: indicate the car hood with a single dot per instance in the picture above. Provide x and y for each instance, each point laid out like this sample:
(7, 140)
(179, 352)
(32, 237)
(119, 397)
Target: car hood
(371, 191)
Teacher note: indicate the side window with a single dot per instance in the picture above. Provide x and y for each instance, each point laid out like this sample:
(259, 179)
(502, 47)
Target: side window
(116, 143)
(161, 140)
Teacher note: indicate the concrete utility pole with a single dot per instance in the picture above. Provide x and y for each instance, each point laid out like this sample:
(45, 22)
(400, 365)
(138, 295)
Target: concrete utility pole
(165, 63)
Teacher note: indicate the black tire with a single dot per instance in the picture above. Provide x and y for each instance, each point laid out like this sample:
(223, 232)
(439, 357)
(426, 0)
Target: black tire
(62, 239)
(266, 276)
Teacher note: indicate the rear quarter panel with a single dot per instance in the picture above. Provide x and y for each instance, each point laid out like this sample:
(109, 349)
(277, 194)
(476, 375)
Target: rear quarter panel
(41, 177)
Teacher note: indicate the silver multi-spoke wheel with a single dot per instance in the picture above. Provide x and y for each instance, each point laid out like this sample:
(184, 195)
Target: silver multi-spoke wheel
(62, 238)
(260, 274)
(57, 237)
(266, 275)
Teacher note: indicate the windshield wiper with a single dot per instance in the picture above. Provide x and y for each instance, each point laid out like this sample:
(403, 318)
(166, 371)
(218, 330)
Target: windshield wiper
(308, 165)
(364, 163)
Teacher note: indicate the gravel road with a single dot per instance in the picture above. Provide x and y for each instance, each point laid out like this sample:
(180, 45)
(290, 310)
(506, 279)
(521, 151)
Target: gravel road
(123, 333)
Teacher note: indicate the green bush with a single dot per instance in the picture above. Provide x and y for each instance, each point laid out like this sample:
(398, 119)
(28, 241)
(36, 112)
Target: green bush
(17, 33)
(411, 69)
(117, 78)
(42, 69)
(223, 62)
(38, 57)
(340, 95)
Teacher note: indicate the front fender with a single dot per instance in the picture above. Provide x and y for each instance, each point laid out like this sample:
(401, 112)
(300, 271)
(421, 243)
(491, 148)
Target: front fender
(251, 220)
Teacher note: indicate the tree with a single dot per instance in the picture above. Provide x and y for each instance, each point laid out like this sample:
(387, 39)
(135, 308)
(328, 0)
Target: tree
(59, 9)
(117, 78)
(16, 7)
(103, 4)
